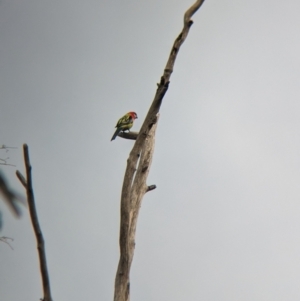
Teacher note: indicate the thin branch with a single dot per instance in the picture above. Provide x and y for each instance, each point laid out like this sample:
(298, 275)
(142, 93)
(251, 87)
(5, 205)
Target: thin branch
(189, 13)
(35, 224)
(11, 197)
(6, 147)
(21, 178)
(5, 240)
(7, 164)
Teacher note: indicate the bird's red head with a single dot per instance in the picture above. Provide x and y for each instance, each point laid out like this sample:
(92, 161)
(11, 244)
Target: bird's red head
(133, 115)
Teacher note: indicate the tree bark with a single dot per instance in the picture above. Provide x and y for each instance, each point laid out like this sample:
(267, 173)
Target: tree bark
(138, 166)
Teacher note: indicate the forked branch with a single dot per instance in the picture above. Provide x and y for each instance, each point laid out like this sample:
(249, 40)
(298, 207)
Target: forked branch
(138, 166)
(27, 183)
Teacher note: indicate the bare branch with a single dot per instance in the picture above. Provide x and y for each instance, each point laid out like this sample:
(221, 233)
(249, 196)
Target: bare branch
(4, 162)
(5, 240)
(151, 187)
(7, 147)
(35, 224)
(11, 197)
(21, 178)
(134, 184)
(129, 135)
(189, 13)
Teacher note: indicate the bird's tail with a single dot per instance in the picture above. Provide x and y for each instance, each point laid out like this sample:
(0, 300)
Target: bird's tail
(118, 130)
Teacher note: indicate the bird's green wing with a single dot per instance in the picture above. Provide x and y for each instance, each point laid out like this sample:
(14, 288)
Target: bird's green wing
(123, 121)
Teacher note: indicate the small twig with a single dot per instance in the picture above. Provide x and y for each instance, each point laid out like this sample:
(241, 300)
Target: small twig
(7, 164)
(21, 178)
(5, 240)
(11, 197)
(5, 147)
(151, 187)
(35, 224)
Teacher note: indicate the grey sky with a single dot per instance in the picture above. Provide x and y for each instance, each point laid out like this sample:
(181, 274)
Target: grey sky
(223, 223)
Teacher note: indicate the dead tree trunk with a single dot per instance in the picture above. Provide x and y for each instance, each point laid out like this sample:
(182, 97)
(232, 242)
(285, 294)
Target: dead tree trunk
(138, 166)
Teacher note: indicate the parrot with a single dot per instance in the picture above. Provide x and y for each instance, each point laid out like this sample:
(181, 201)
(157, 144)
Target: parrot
(124, 123)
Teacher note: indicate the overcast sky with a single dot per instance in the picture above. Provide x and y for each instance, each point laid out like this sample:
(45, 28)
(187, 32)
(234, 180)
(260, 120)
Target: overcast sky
(224, 221)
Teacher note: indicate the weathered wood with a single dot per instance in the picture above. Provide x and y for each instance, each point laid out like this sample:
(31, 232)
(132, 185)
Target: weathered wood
(138, 166)
(128, 135)
(129, 215)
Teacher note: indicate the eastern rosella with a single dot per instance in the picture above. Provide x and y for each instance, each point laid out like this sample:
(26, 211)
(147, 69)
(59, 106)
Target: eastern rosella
(125, 123)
